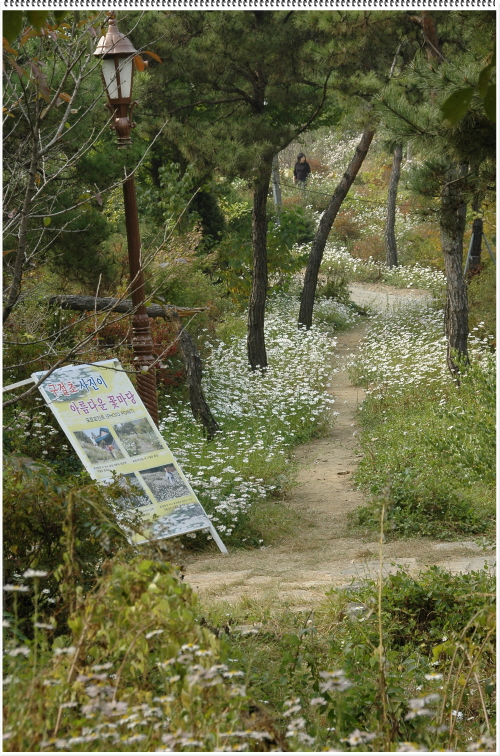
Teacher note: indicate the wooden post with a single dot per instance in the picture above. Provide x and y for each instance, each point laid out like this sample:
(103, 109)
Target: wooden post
(141, 335)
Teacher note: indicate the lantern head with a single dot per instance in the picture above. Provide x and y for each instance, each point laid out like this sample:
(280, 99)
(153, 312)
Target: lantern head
(117, 54)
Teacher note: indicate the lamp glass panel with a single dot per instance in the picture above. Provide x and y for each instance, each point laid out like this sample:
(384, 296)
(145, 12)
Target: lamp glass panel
(109, 73)
(126, 75)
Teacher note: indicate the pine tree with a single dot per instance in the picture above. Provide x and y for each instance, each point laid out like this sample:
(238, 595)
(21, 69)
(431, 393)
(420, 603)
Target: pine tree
(324, 228)
(457, 157)
(391, 248)
(238, 88)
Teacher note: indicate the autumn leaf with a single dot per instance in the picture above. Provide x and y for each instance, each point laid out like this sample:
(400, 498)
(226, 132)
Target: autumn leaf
(8, 48)
(41, 81)
(153, 55)
(139, 63)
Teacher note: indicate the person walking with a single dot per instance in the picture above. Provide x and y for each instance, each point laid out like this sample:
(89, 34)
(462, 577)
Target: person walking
(301, 171)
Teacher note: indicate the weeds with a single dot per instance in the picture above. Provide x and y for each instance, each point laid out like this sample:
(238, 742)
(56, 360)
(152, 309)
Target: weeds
(430, 443)
(136, 672)
(402, 663)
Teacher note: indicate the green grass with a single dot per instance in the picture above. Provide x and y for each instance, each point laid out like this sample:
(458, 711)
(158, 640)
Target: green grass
(482, 302)
(432, 461)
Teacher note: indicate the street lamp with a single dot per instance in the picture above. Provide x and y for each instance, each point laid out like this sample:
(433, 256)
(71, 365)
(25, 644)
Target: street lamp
(117, 54)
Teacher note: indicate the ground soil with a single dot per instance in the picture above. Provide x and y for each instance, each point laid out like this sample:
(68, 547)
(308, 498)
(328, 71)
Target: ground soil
(323, 552)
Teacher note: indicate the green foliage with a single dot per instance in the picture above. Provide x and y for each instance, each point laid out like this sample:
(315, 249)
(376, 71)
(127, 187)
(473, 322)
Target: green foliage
(457, 103)
(46, 514)
(295, 226)
(170, 201)
(419, 611)
(335, 284)
(482, 302)
(234, 255)
(13, 21)
(79, 255)
(182, 277)
(235, 118)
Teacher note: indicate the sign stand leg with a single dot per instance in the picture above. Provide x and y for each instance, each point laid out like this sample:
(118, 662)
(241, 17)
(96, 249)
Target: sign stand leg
(468, 254)
(217, 539)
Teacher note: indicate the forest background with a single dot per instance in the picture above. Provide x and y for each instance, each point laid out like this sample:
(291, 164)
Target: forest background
(390, 107)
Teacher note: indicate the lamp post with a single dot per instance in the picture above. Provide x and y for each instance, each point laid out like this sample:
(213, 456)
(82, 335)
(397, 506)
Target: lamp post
(117, 54)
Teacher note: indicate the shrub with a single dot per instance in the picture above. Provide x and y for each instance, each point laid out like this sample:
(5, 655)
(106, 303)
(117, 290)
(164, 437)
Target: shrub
(346, 228)
(64, 526)
(482, 303)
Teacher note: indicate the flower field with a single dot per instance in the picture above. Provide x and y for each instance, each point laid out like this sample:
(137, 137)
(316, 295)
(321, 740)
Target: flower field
(263, 414)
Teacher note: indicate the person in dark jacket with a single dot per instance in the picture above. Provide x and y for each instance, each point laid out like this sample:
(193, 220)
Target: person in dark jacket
(302, 170)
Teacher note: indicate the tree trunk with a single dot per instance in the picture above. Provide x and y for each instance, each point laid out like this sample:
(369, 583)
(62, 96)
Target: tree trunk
(324, 228)
(431, 39)
(257, 356)
(15, 287)
(391, 249)
(452, 221)
(194, 370)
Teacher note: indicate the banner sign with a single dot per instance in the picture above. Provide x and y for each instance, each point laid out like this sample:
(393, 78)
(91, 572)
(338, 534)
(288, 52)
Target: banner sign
(111, 430)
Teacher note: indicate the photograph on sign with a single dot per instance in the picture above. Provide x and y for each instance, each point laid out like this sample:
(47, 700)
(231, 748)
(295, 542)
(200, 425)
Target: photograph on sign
(135, 495)
(137, 436)
(165, 483)
(182, 519)
(98, 444)
(110, 429)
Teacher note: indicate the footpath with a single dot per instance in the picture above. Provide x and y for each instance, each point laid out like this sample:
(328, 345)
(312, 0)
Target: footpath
(322, 554)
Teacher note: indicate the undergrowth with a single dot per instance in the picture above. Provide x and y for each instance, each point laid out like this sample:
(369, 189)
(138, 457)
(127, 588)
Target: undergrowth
(317, 671)
(428, 444)
(404, 664)
(262, 415)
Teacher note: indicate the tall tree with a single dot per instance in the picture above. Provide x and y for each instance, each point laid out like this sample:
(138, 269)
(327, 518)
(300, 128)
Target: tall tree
(453, 209)
(239, 87)
(458, 156)
(477, 237)
(391, 248)
(371, 43)
(325, 226)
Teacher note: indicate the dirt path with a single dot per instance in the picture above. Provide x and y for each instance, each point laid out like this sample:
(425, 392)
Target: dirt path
(323, 554)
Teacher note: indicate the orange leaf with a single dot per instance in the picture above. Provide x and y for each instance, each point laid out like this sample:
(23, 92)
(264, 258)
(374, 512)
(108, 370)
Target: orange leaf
(7, 47)
(139, 63)
(153, 55)
(65, 97)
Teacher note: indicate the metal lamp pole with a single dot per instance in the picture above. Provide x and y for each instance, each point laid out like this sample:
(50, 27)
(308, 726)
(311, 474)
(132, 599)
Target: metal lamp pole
(117, 54)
